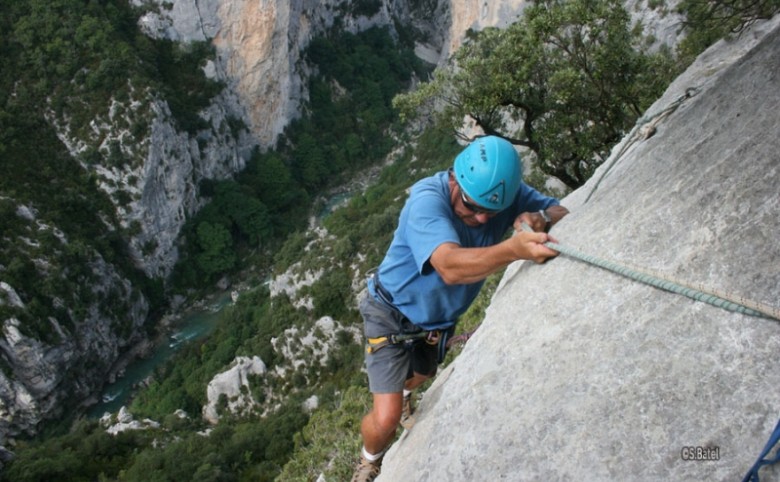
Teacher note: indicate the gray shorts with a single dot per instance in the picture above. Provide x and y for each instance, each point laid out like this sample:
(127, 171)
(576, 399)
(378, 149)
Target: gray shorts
(389, 367)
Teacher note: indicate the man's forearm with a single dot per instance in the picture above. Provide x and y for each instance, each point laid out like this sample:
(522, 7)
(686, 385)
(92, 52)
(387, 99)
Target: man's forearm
(458, 265)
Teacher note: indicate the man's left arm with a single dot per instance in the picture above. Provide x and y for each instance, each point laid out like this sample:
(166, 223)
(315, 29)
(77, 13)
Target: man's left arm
(538, 220)
(459, 265)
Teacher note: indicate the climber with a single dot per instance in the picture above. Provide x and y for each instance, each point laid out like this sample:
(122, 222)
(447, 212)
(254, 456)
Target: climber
(450, 237)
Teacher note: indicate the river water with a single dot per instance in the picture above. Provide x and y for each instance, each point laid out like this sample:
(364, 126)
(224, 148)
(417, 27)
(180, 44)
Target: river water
(195, 324)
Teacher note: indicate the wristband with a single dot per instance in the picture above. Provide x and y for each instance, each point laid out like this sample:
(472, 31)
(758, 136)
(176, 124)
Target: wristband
(547, 220)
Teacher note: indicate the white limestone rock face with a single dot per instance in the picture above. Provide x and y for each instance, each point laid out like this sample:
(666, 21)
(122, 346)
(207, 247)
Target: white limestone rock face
(39, 381)
(125, 421)
(581, 374)
(155, 186)
(166, 182)
(235, 385)
(309, 348)
(258, 46)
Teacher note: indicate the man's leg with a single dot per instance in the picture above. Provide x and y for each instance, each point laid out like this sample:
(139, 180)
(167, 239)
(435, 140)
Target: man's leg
(415, 381)
(379, 425)
(389, 373)
(424, 365)
(378, 430)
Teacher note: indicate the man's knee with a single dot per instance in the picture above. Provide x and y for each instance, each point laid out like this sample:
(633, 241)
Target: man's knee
(386, 412)
(386, 419)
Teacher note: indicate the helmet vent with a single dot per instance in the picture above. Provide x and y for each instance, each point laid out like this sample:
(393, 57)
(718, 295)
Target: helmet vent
(495, 195)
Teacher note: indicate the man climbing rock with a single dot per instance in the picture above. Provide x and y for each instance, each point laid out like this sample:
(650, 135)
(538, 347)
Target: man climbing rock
(450, 237)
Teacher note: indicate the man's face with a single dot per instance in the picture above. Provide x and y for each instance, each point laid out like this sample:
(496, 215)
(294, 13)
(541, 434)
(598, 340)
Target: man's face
(468, 211)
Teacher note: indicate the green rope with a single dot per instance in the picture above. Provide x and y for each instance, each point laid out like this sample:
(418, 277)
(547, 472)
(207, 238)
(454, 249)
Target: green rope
(720, 300)
(644, 128)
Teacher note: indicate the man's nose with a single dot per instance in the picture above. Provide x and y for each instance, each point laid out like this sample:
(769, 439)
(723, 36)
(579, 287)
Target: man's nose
(482, 218)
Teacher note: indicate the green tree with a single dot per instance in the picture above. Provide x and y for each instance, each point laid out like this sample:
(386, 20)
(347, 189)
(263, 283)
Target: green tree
(566, 81)
(272, 183)
(85, 453)
(312, 160)
(706, 21)
(248, 215)
(332, 293)
(217, 255)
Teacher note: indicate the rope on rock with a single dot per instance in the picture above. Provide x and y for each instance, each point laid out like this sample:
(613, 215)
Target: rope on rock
(712, 297)
(643, 129)
(709, 296)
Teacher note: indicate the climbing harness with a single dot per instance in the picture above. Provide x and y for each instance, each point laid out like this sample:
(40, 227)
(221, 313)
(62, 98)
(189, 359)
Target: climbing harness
(644, 129)
(431, 337)
(752, 475)
(376, 344)
(440, 338)
(443, 338)
(709, 296)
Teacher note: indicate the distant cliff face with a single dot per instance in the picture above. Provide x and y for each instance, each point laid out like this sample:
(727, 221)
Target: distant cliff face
(154, 187)
(40, 379)
(259, 46)
(578, 373)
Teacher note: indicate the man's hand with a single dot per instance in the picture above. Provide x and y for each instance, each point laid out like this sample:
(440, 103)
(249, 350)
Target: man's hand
(537, 222)
(534, 220)
(531, 246)
(457, 265)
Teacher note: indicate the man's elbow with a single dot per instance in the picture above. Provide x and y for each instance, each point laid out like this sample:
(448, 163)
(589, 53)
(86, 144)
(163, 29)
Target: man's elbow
(443, 261)
(449, 279)
(449, 276)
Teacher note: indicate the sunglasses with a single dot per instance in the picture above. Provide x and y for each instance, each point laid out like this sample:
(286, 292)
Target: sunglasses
(474, 208)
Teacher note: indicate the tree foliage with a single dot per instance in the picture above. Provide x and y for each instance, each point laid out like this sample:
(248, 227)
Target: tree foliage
(706, 21)
(351, 105)
(566, 81)
(86, 453)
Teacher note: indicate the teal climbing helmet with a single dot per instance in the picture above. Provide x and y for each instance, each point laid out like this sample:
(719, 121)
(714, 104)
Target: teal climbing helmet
(489, 171)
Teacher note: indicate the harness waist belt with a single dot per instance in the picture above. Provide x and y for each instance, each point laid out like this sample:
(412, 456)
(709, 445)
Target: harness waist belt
(432, 337)
(382, 292)
(374, 344)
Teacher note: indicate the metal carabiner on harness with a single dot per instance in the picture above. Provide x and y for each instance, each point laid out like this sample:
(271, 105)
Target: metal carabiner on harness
(375, 344)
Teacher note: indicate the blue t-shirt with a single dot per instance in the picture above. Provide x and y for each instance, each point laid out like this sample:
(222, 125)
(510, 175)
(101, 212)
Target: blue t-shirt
(426, 222)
